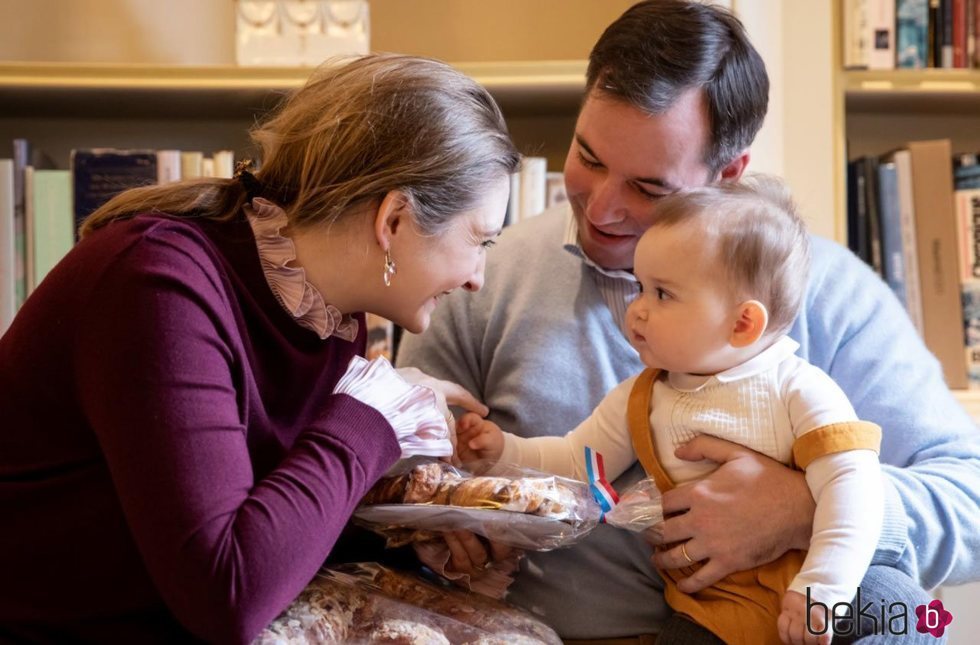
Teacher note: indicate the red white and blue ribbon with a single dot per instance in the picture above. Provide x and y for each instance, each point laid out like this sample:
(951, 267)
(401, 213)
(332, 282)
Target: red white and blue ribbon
(602, 490)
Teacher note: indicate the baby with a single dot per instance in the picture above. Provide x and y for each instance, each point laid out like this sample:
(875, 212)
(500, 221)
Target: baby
(722, 273)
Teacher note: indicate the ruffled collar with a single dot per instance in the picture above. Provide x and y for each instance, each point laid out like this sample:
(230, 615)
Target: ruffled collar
(288, 283)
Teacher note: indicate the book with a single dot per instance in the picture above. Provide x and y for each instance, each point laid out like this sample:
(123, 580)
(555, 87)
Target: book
(968, 233)
(966, 172)
(191, 164)
(168, 166)
(869, 166)
(224, 163)
(858, 229)
(53, 223)
(8, 249)
(555, 189)
(970, 292)
(99, 174)
(893, 259)
(21, 159)
(533, 173)
(380, 337)
(910, 251)
(935, 227)
(881, 34)
(959, 30)
(945, 33)
(513, 215)
(912, 34)
(857, 32)
(973, 38)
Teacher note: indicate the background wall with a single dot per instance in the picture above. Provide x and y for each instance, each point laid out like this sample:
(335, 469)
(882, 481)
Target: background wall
(795, 141)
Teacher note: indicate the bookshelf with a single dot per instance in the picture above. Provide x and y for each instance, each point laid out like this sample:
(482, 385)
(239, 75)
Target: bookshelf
(875, 111)
(59, 106)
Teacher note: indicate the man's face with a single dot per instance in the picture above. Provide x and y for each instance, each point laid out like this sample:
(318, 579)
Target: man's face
(622, 160)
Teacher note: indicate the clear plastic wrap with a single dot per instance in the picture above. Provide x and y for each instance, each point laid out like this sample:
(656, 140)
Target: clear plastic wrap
(368, 603)
(518, 507)
(640, 508)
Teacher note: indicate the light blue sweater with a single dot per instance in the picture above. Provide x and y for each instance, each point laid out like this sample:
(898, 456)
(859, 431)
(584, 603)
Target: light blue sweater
(539, 346)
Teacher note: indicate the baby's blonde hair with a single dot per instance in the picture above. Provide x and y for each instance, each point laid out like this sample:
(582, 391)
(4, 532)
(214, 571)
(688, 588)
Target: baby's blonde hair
(762, 240)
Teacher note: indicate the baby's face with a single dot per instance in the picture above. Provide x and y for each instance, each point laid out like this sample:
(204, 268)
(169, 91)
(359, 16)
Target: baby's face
(683, 319)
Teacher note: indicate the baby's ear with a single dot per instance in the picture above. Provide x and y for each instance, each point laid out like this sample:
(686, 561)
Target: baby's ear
(751, 320)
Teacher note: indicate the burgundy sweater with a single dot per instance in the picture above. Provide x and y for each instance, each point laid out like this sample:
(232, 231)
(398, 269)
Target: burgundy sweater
(172, 461)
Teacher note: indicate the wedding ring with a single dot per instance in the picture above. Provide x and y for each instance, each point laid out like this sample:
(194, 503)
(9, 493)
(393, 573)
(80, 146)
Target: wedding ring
(684, 553)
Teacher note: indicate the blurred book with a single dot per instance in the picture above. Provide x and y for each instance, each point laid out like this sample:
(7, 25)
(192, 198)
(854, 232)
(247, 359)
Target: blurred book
(380, 337)
(99, 174)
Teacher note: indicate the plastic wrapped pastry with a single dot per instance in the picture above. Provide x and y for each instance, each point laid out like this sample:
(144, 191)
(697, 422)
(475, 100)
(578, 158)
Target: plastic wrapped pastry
(367, 603)
(523, 508)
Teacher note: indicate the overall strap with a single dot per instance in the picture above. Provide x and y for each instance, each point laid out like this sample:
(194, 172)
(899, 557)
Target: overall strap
(638, 419)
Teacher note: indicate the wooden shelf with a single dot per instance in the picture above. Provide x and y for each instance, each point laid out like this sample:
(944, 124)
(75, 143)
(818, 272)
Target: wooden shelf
(46, 89)
(950, 91)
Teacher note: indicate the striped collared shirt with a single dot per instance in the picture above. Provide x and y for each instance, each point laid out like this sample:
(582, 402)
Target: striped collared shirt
(618, 287)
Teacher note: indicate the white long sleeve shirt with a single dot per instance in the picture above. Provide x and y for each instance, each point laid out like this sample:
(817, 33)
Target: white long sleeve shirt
(765, 404)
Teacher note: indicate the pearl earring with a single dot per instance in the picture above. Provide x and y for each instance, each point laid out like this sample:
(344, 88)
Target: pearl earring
(389, 268)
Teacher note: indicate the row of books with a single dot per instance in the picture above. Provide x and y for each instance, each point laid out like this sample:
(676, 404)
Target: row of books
(533, 189)
(911, 34)
(914, 216)
(41, 207)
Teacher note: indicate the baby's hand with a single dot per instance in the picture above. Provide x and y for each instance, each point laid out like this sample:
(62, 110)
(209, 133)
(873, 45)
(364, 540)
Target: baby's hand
(793, 624)
(478, 439)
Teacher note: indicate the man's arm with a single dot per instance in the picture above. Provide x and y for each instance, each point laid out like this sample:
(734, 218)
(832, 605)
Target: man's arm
(856, 330)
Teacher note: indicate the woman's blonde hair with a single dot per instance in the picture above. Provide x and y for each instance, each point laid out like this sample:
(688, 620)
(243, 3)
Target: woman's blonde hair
(762, 240)
(355, 131)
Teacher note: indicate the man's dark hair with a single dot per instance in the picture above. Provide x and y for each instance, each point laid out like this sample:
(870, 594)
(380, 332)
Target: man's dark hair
(659, 49)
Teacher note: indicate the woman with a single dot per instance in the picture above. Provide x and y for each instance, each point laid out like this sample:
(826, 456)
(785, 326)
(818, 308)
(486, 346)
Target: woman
(181, 445)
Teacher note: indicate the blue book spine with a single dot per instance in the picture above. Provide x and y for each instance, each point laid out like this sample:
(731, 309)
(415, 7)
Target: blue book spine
(99, 174)
(912, 40)
(891, 231)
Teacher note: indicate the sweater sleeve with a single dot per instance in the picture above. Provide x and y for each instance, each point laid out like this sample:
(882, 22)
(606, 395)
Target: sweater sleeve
(605, 431)
(157, 363)
(856, 330)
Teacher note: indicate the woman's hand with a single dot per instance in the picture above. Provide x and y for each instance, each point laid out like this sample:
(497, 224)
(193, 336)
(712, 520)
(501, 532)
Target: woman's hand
(479, 565)
(447, 392)
(748, 512)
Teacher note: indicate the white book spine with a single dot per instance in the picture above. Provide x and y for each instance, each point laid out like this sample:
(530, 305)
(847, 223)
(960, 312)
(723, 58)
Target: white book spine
(168, 166)
(224, 163)
(555, 189)
(881, 35)
(191, 163)
(913, 288)
(514, 200)
(533, 185)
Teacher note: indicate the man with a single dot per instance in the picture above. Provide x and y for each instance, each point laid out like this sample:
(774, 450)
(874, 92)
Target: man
(675, 94)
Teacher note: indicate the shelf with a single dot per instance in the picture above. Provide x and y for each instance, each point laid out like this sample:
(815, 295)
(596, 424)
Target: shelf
(970, 399)
(936, 91)
(53, 90)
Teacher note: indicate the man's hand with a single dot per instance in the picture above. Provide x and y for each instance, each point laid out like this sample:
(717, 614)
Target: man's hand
(748, 512)
(478, 439)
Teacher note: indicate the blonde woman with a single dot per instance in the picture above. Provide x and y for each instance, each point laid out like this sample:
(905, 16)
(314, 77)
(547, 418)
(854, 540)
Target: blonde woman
(182, 439)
